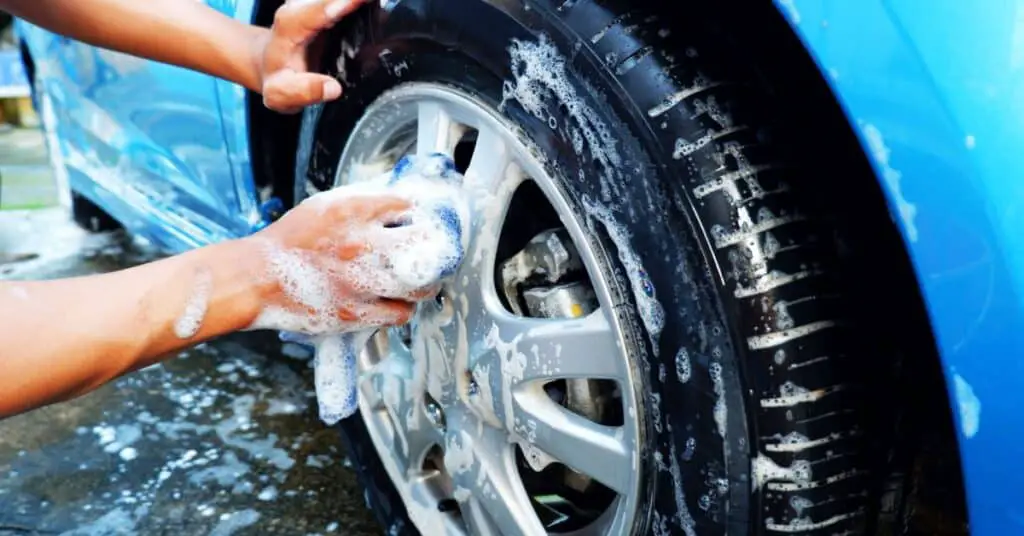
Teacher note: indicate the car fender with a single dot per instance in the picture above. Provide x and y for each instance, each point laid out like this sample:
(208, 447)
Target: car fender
(933, 97)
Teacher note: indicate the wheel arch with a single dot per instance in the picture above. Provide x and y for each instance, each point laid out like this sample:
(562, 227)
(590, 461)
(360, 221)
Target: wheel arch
(272, 137)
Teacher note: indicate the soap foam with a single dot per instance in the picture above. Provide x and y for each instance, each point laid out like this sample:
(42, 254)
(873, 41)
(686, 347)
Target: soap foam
(335, 374)
(191, 319)
(403, 257)
(336, 301)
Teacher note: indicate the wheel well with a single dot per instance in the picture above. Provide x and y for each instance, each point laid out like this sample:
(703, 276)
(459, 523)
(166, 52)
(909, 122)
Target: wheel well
(29, 64)
(273, 137)
(877, 266)
(26, 59)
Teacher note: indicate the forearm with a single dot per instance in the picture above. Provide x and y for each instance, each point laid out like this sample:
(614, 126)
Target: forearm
(180, 32)
(67, 337)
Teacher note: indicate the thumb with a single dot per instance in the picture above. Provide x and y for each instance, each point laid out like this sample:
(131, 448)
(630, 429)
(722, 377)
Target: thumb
(289, 91)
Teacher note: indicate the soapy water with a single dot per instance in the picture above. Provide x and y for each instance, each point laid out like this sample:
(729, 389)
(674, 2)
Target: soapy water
(419, 260)
(191, 319)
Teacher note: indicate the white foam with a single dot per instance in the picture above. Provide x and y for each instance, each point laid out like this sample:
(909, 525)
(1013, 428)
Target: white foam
(881, 154)
(968, 404)
(400, 261)
(721, 410)
(19, 293)
(335, 374)
(763, 470)
(683, 368)
(683, 517)
(540, 79)
(335, 299)
(652, 313)
(191, 318)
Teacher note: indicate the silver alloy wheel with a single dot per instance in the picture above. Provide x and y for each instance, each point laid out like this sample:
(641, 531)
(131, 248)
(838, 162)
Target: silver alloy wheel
(447, 406)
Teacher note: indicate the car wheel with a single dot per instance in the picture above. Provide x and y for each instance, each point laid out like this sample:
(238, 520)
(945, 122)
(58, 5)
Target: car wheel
(84, 212)
(645, 337)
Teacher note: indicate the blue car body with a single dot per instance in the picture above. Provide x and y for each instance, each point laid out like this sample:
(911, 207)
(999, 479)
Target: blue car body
(931, 93)
(162, 149)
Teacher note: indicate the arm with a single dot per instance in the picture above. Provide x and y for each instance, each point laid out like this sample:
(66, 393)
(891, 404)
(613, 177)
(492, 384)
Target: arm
(64, 338)
(192, 35)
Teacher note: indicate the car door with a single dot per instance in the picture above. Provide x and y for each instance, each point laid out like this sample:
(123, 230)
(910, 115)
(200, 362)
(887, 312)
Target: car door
(163, 136)
(55, 73)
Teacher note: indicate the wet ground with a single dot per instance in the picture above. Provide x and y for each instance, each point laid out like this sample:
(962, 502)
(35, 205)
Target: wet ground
(222, 439)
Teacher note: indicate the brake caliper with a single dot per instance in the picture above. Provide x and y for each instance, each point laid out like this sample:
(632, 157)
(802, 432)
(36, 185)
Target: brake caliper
(547, 279)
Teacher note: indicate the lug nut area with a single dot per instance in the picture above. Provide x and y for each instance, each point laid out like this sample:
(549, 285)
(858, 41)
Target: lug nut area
(472, 387)
(404, 334)
(443, 304)
(435, 414)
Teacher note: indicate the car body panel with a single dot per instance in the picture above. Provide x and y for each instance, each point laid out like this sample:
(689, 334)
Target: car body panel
(936, 97)
(154, 135)
(233, 97)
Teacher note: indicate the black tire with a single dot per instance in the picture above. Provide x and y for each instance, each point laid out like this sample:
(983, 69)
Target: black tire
(765, 435)
(90, 216)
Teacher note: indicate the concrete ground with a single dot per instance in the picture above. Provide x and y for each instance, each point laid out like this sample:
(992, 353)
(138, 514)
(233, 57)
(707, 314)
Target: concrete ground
(25, 180)
(223, 439)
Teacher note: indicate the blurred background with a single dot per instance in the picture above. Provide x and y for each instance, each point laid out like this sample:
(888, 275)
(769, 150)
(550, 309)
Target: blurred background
(25, 179)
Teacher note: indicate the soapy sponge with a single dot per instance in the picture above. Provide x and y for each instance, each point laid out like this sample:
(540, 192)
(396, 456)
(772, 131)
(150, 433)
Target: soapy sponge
(434, 187)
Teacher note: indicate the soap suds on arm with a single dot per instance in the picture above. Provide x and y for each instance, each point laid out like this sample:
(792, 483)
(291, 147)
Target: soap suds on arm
(191, 319)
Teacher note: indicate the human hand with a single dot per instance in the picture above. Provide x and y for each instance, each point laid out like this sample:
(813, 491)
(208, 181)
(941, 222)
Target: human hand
(286, 53)
(328, 263)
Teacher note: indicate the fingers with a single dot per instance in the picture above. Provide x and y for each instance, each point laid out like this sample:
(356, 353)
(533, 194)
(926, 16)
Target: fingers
(387, 210)
(301, 21)
(349, 250)
(385, 312)
(287, 91)
(424, 293)
(384, 210)
(397, 311)
(390, 267)
(287, 88)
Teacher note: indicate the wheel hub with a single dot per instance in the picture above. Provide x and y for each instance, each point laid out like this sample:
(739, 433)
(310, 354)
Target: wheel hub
(507, 397)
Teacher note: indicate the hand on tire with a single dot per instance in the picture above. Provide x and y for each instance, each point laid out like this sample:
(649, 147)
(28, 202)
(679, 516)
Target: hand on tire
(292, 48)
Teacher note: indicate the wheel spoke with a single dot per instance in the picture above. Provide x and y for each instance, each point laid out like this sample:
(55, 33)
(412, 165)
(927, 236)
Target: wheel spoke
(389, 386)
(420, 437)
(532, 349)
(478, 520)
(588, 447)
(485, 477)
(492, 179)
(388, 383)
(489, 163)
(435, 130)
(431, 348)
